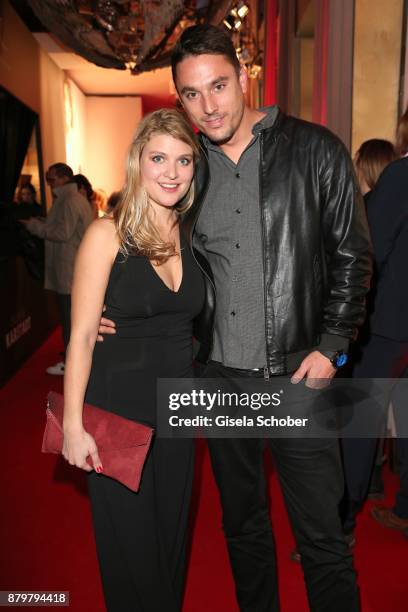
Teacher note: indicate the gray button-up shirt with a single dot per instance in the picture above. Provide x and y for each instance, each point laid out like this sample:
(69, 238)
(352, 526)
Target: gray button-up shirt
(229, 229)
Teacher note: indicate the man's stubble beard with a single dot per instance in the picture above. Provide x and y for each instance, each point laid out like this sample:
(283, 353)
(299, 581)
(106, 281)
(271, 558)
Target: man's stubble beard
(231, 131)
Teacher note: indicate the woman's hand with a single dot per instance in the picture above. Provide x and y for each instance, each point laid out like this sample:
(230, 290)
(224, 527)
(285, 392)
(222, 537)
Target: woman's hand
(76, 448)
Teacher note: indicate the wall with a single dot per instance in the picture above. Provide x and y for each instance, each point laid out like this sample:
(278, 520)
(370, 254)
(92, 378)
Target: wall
(111, 123)
(27, 312)
(99, 130)
(19, 59)
(76, 125)
(404, 96)
(306, 48)
(28, 73)
(52, 115)
(377, 57)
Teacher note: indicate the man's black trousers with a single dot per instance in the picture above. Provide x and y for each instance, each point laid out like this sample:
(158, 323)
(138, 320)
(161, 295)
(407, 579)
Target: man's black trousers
(311, 478)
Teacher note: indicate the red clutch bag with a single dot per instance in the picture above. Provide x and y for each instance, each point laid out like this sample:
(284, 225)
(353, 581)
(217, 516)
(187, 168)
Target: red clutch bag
(122, 444)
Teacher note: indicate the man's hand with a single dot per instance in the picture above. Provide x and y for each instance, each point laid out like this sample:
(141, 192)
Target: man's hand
(106, 326)
(318, 370)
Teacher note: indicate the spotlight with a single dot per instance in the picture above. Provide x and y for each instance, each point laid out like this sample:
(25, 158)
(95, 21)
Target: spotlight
(229, 22)
(242, 10)
(254, 71)
(233, 21)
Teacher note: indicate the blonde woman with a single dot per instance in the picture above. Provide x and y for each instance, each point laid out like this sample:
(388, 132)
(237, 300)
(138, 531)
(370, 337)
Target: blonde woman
(137, 265)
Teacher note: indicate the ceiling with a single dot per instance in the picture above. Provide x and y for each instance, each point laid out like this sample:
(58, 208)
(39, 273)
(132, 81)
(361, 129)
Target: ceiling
(95, 80)
(155, 86)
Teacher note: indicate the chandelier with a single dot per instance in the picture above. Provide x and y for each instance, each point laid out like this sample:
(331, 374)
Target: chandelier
(139, 35)
(242, 34)
(135, 35)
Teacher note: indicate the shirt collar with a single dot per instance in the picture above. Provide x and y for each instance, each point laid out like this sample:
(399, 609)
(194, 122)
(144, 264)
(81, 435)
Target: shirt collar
(271, 112)
(67, 188)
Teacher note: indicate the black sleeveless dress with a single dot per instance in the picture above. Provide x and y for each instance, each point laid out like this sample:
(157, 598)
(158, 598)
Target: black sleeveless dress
(141, 537)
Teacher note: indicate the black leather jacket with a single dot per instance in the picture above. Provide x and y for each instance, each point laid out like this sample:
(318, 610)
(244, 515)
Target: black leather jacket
(316, 246)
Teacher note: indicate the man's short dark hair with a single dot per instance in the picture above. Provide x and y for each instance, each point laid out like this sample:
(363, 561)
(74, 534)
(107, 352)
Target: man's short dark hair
(61, 169)
(203, 39)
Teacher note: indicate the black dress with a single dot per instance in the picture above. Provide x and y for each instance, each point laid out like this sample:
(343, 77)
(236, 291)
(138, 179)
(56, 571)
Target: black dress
(141, 537)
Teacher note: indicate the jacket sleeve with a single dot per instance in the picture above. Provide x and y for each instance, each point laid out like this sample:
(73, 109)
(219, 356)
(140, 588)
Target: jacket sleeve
(347, 248)
(388, 210)
(57, 228)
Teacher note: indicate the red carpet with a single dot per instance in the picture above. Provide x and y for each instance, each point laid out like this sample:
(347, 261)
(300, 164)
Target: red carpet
(46, 533)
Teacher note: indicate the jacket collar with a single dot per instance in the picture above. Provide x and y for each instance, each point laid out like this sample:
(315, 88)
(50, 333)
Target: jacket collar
(68, 188)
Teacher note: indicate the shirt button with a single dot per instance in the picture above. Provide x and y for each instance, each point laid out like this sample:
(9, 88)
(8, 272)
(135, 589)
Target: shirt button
(238, 211)
(232, 313)
(237, 246)
(238, 175)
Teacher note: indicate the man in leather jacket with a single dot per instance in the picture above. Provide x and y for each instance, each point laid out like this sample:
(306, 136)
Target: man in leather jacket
(279, 229)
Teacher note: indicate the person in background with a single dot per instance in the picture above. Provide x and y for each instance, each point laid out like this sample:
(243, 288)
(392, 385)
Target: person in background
(62, 230)
(30, 247)
(384, 349)
(401, 143)
(112, 202)
(388, 220)
(362, 463)
(100, 200)
(85, 189)
(27, 202)
(386, 355)
(370, 160)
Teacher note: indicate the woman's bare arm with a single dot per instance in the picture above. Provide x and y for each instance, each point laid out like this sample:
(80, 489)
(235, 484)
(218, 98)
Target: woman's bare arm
(91, 274)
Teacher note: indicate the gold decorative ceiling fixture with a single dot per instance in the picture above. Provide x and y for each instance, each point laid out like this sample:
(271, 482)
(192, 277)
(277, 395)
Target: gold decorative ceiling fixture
(233, 21)
(237, 23)
(122, 34)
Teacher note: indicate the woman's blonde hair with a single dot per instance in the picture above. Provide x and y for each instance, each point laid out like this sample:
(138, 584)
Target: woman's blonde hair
(136, 231)
(371, 159)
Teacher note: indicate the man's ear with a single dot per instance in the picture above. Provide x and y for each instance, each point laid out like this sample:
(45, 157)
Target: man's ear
(243, 79)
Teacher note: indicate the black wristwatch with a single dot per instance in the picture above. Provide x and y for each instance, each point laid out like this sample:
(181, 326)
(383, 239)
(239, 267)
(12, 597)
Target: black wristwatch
(337, 358)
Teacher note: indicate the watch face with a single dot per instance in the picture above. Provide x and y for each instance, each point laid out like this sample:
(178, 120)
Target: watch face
(341, 360)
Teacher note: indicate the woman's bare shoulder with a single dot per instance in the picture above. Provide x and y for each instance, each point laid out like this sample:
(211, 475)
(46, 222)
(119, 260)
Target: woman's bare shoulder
(102, 234)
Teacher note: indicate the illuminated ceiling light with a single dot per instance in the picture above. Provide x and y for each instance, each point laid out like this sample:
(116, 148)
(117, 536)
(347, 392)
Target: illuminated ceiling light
(229, 22)
(254, 71)
(234, 19)
(242, 10)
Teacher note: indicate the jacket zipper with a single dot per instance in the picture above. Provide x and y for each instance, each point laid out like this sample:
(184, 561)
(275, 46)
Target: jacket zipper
(266, 367)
